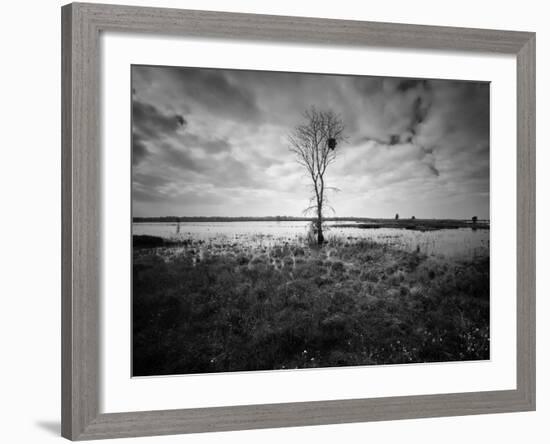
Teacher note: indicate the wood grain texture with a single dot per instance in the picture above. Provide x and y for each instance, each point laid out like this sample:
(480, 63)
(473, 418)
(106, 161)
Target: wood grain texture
(119, 425)
(526, 230)
(230, 25)
(66, 224)
(81, 238)
(80, 221)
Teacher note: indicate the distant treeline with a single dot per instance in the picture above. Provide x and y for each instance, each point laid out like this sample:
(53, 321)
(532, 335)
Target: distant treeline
(239, 219)
(168, 219)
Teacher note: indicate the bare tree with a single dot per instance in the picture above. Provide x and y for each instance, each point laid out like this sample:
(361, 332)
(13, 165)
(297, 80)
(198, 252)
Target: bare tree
(314, 143)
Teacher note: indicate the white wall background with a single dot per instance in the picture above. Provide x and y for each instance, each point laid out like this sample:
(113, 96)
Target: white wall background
(30, 221)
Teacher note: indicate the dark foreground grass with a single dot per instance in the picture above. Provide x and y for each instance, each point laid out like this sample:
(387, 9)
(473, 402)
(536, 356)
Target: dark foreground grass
(357, 303)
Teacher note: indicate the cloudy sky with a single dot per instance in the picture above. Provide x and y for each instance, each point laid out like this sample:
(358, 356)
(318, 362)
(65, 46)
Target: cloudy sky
(215, 143)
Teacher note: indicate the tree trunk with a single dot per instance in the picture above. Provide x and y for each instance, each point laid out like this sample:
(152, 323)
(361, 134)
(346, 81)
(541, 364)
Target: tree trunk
(320, 237)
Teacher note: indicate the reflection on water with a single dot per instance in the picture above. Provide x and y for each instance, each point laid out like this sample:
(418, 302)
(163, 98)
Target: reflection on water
(447, 242)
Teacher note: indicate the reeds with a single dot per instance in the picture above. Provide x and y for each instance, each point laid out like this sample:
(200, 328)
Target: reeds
(227, 306)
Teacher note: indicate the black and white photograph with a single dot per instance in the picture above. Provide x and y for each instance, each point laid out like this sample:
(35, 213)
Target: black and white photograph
(275, 222)
(285, 221)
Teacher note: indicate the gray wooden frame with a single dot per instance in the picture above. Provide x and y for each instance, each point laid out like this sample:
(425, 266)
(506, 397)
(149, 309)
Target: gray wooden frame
(81, 26)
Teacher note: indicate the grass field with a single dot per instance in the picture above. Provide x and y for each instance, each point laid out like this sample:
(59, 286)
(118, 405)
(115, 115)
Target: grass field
(288, 305)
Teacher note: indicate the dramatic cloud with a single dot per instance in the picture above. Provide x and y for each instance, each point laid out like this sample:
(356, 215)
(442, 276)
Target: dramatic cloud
(151, 122)
(211, 91)
(139, 150)
(214, 142)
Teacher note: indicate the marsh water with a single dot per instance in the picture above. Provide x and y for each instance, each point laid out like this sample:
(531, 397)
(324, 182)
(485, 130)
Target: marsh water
(461, 242)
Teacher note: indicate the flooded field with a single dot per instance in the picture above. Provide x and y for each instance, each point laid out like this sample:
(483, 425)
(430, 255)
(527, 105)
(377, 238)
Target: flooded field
(241, 296)
(458, 243)
(223, 297)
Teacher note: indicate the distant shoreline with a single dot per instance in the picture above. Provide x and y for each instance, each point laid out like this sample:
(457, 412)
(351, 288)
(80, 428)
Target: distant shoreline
(360, 223)
(368, 220)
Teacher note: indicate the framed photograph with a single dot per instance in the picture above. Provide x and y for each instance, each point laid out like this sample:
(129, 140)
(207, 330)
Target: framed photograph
(281, 221)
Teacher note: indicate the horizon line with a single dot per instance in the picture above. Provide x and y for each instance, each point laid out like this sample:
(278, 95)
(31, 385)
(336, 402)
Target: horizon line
(307, 217)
